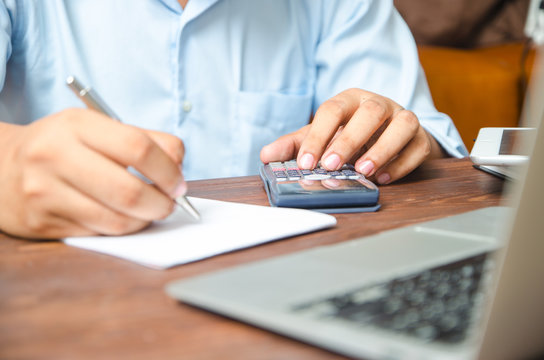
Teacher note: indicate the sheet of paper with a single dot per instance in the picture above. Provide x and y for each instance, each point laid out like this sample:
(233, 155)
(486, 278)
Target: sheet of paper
(225, 226)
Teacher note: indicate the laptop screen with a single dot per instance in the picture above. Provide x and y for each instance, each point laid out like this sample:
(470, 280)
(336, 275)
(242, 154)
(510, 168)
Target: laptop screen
(516, 318)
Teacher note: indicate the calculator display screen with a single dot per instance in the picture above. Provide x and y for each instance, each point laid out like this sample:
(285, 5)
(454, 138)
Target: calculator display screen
(324, 186)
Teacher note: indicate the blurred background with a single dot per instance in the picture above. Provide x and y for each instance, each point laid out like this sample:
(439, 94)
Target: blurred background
(477, 56)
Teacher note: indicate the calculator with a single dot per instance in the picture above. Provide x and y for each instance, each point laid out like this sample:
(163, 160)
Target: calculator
(340, 191)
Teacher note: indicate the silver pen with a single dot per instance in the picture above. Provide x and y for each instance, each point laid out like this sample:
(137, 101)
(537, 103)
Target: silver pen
(93, 101)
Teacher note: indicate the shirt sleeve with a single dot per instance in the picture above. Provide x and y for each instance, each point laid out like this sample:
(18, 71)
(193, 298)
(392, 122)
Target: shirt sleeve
(367, 45)
(7, 14)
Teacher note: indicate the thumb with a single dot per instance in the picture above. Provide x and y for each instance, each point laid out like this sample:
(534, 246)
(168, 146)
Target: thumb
(284, 148)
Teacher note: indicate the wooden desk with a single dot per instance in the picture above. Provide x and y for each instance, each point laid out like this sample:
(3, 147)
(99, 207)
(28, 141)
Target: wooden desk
(59, 302)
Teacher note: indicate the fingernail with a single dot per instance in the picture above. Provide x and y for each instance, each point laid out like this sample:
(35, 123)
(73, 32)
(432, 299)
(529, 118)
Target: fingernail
(332, 162)
(384, 178)
(307, 161)
(331, 183)
(180, 190)
(366, 167)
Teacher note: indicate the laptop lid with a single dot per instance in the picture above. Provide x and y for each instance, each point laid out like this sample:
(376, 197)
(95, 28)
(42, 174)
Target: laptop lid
(515, 328)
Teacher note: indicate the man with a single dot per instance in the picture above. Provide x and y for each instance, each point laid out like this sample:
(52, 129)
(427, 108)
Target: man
(225, 76)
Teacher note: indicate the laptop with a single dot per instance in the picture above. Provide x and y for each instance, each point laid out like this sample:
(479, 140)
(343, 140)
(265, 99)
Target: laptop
(461, 287)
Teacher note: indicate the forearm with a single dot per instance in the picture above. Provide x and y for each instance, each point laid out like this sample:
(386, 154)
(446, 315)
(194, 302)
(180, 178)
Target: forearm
(7, 135)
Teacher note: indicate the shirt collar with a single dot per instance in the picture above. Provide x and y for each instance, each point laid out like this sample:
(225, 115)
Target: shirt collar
(193, 8)
(172, 5)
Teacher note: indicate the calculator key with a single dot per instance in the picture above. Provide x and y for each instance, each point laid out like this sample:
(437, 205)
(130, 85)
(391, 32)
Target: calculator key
(317, 177)
(293, 174)
(320, 171)
(280, 174)
(291, 165)
(351, 174)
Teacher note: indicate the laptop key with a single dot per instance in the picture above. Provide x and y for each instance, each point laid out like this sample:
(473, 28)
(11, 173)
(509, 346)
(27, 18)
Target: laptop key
(434, 305)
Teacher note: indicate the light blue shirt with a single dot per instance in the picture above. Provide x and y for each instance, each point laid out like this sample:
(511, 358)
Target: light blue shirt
(226, 76)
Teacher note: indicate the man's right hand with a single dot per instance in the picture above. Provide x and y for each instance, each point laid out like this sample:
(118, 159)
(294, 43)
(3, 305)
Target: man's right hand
(66, 175)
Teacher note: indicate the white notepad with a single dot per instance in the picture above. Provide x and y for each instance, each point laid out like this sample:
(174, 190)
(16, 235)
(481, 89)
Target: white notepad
(224, 227)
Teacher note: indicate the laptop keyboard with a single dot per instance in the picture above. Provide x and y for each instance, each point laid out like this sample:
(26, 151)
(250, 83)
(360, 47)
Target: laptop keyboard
(434, 305)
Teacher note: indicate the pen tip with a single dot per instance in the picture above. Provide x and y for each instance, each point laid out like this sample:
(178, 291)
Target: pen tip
(188, 207)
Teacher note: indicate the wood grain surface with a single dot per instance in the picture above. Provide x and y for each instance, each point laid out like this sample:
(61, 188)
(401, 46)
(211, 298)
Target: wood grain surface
(60, 302)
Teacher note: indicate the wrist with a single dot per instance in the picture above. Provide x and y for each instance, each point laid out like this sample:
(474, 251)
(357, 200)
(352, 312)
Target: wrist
(7, 130)
(437, 151)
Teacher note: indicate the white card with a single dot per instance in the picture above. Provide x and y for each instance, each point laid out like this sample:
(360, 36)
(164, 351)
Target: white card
(224, 227)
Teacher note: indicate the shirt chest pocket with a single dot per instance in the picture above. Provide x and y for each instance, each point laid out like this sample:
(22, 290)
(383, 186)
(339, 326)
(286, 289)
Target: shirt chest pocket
(258, 118)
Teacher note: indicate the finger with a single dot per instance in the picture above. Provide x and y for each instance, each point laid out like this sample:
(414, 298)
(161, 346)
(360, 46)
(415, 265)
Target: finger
(400, 131)
(47, 226)
(170, 144)
(53, 227)
(415, 152)
(58, 211)
(94, 216)
(332, 183)
(368, 118)
(173, 147)
(284, 148)
(40, 191)
(130, 146)
(113, 186)
(330, 116)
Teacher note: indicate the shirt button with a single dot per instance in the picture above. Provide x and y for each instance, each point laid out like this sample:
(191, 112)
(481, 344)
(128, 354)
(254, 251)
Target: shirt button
(187, 106)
